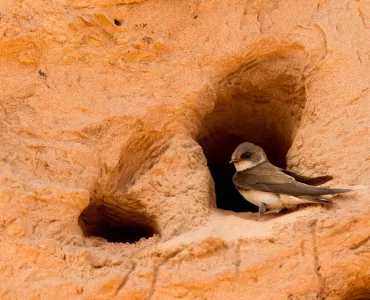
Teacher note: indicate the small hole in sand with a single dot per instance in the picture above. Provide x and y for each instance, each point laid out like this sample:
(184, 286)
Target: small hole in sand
(117, 22)
(115, 224)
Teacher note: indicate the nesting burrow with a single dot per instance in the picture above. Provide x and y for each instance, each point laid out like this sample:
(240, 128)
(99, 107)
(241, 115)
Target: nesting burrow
(117, 210)
(260, 103)
(115, 224)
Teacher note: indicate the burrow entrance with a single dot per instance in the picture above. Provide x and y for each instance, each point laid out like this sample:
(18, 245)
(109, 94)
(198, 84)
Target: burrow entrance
(115, 212)
(115, 224)
(260, 103)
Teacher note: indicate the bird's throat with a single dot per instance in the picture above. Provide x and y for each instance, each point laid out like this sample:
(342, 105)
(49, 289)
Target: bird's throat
(244, 165)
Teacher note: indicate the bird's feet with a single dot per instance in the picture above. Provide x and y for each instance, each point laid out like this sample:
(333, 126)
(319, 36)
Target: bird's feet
(261, 210)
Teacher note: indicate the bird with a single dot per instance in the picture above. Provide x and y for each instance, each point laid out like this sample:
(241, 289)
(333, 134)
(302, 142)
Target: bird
(272, 188)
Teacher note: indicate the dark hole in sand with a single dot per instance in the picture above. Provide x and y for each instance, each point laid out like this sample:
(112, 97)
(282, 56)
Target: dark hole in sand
(115, 224)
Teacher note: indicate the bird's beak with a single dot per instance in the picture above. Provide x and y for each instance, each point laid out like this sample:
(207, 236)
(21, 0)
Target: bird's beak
(233, 161)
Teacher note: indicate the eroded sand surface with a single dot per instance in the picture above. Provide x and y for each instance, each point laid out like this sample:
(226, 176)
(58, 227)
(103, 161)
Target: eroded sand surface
(109, 112)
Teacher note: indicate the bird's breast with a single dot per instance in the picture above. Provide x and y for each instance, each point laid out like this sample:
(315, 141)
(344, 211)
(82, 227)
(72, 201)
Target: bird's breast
(271, 200)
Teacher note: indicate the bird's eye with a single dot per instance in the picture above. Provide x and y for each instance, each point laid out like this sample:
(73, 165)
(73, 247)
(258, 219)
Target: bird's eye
(246, 155)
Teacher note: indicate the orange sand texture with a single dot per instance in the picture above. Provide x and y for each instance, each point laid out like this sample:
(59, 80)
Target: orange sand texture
(109, 112)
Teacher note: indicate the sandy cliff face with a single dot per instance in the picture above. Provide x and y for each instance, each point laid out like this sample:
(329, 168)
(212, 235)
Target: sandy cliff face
(117, 118)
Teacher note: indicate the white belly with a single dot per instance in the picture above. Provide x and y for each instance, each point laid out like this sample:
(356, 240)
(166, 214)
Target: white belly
(271, 200)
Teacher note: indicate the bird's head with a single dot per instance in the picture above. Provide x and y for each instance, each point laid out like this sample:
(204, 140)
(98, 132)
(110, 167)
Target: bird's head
(247, 156)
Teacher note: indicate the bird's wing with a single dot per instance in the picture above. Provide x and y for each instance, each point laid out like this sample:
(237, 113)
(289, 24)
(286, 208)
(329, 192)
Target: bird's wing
(268, 178)
(308, 180)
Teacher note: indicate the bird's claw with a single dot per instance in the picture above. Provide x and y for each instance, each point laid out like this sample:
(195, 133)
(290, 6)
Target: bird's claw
(261, 210)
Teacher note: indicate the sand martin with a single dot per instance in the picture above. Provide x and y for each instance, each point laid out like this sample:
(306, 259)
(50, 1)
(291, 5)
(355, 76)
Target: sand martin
(272, 188)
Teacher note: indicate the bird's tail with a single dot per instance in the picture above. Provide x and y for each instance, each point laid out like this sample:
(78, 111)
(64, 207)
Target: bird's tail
(316, 199)
(336, 191)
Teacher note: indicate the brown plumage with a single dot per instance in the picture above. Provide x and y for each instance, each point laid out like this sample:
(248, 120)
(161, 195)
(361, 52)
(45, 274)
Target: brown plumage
(266, 177)
(270, 187)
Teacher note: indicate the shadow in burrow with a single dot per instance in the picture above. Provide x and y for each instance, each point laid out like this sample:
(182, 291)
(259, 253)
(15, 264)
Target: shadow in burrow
(354, 292)
(261, 102)
(115, 224)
